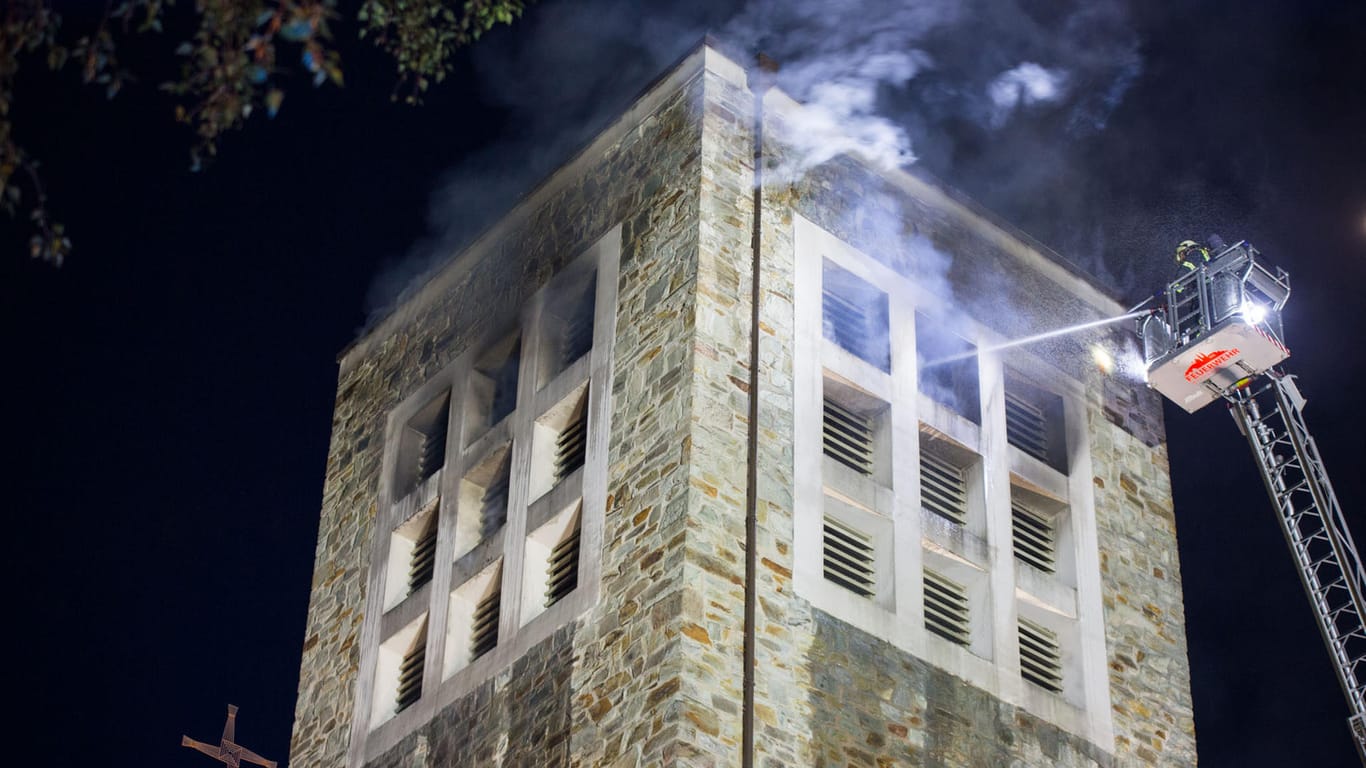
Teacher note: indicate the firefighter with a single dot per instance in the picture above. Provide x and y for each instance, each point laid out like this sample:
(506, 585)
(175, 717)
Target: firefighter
(1190, 255)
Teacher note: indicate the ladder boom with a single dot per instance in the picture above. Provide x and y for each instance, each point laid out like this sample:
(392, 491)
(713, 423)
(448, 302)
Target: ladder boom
(1269, 415)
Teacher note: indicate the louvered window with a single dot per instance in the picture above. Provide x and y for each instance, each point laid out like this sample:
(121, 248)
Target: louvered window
(1040, 656)
(844, 322)
(1026, 426)
(423, 450)
(943, 488)
(571, 443)
(432, 455)
(1035, 540)
(432, 444)
(946, 608)
(854, 316)
(410, 672)
(848, 555)
(423, 560)
(575, 324)
(562, 571)
(484, 632)
(577, 332)
(493, 506)
(504, 377)
(848, 437)
(948, 368)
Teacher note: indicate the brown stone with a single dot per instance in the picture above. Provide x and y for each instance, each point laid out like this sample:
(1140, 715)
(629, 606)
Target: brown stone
(705, 720)
(599, 708)
(662, 691)
(697, 633)
(782, 571)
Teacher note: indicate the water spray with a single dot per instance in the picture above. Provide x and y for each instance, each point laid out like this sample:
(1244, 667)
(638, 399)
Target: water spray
(1038, 337)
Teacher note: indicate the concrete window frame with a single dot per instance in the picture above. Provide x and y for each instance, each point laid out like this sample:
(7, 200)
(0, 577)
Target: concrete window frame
(998, 593)
(465, 601)
(472, 558)
(875, 530)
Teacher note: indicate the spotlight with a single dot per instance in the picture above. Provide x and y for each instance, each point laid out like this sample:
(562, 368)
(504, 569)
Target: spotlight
(1104, 361)
(1253, 312)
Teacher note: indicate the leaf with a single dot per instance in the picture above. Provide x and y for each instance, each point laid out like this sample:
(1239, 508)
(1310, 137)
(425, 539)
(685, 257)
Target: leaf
(184, 49)
(273, 100)
(56, 57)
(297, 30)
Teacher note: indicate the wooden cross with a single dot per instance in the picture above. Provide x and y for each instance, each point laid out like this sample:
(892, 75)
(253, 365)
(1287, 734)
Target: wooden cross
(227, 751)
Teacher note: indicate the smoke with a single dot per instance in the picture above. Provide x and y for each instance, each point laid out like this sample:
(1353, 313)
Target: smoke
(1024, 85)
(987, 93)
(840, 60)
(557, 77)
(841, 118)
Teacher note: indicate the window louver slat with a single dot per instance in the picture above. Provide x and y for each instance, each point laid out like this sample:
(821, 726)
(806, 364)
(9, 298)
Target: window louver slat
(848, 558)
(563, 569)
(577, 331)
(1040, 656)
(410, 674)
(505, 385)
(845, 323)
(431, 453)
(943, 489)
(946, 609)
(1035, 542)
(493, 507)
(1026, 427)
(423, 560)
(570, 446)
(484, 633)
(848, 438)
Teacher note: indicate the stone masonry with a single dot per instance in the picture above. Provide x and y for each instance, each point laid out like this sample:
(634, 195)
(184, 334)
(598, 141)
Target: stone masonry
(652, 673)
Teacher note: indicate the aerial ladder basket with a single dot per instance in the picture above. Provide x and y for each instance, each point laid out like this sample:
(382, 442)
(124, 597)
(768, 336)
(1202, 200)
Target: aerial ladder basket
(1216, 334)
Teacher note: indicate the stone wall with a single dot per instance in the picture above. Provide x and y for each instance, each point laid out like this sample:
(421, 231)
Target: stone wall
(1145, 633)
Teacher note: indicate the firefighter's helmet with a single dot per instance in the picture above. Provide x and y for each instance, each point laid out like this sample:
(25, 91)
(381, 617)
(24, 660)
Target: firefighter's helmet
(1190, 253)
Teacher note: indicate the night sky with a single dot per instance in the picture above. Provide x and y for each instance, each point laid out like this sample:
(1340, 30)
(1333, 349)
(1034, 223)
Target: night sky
(173, 382)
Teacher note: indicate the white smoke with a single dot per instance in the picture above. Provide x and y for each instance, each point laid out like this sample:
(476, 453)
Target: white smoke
(841, 117)
(839, 59)
(1022, 86)
(885, 80)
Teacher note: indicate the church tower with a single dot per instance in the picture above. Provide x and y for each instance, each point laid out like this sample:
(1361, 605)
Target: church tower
(663, 470)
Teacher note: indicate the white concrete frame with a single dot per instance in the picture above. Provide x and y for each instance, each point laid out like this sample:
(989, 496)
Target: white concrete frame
(998, 592)
(464, 566)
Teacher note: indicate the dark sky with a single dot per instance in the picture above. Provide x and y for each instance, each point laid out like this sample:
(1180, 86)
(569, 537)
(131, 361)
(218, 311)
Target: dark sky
(173, 383)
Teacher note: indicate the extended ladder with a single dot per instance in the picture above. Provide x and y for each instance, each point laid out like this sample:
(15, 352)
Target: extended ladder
(1269, 415)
